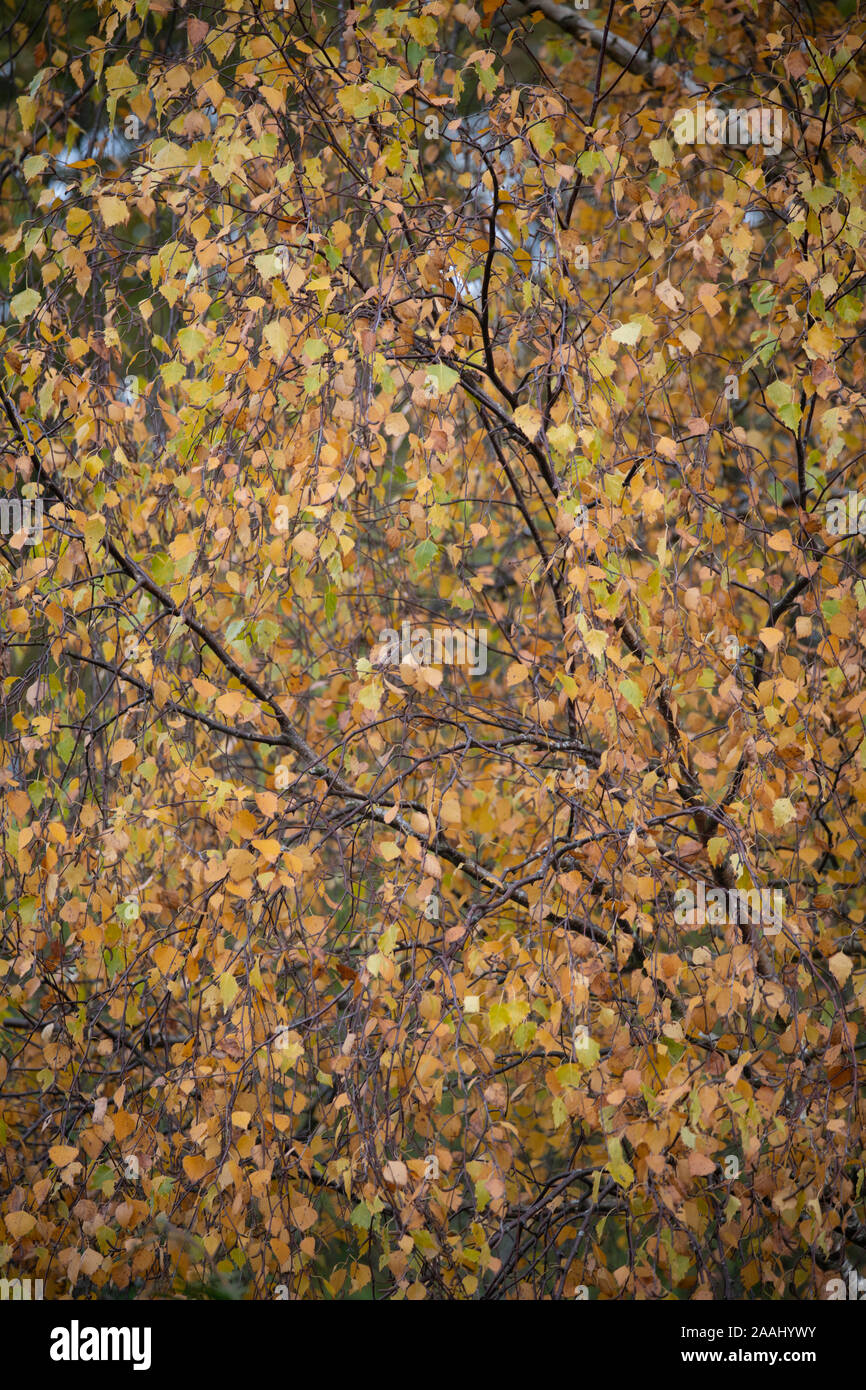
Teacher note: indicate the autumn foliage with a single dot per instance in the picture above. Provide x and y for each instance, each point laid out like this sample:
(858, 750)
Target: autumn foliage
(327, 975)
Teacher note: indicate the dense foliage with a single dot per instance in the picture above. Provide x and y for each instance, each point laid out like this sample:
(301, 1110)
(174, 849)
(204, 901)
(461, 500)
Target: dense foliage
(330, 969)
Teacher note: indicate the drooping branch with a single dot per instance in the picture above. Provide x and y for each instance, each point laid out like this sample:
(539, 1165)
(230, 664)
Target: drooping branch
(633, 57)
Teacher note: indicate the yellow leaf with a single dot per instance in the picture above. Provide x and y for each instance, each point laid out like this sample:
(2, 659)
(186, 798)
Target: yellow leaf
(396, 425)
(267, 265)
(563, 439)
(121, 750)
(669, 294)
(230, 703)
(166, 958)
(820, 342)
(273, 96)
(228, 987)
(94, 530)
(206, 689)
(120, 78)
(282, 1252)
(717, 848)
(19, 1223)
(113, 210)
(306, 544)
(61, 1154)
(302, 1213)
(77, 221)
(628, 333)
(596, 640)
(787, 691)
(277, 338)
(707, 296)
(295, 278)
(617, 1166)
(841, 966)
(27, 108)
(371, 697)
(528, 420)
(268, 849)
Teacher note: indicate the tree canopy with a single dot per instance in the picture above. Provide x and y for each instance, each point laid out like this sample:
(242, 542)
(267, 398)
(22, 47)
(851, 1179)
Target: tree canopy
(432, 648)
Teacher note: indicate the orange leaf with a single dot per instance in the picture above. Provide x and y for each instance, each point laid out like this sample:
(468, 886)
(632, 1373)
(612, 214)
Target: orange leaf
(195, 1166)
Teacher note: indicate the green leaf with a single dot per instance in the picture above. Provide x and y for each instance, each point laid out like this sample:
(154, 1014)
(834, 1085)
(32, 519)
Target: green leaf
(818, 197)
(849, 308)
(423, 554)
(662, 152)
(27, 908)
(542, 138)
(362, 1217)
(25, 304)
(632, 692)
(38, 792)
(441, 378)
(589, 161)
(762, 298)
(33, 166)
(617, 1166)
(498, 1018)
(162, 568)
(587, 1050)
(357, 102)
(781, 397)
(569, 1075)
(267, 265)
(192, 342)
